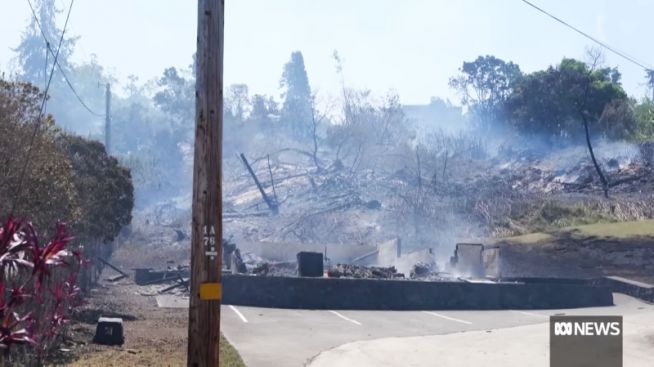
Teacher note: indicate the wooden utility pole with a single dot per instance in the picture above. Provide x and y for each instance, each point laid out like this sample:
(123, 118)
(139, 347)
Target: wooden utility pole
(107, 119)
(206, 240)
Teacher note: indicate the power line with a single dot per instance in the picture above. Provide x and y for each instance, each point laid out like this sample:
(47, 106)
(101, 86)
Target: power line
(28, 156)
(77, 95)
(63, 73)
(612, 49)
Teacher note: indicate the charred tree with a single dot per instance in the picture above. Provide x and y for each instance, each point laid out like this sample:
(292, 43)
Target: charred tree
(584, 118)
(272, 204)
(272, 182)
(605, 182)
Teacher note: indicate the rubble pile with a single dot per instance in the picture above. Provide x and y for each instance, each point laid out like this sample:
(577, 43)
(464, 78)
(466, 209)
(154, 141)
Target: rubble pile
(285, 269)
(365, 272)
(570, 170)
(422, 270)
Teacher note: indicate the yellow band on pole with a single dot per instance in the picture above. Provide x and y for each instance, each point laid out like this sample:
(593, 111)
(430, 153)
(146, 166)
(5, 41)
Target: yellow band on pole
(210, 291)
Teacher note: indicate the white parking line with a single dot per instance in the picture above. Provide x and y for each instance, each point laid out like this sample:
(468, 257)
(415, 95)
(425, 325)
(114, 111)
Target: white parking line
(239, 314)
(346, 318)
(448, 318)
(531, 313)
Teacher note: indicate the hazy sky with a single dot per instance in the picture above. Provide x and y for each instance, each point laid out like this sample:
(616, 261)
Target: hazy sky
(410, 46)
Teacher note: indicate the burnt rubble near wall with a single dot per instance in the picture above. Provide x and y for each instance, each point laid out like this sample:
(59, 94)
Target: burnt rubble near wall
(382, 263)
(366, 272)
(420, 271)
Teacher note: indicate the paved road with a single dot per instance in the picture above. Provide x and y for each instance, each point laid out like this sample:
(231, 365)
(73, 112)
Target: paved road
(521, 346)
(277, 337)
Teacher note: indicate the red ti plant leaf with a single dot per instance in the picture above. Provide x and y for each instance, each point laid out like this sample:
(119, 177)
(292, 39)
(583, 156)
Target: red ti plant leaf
(52, 254)
(17, 296)
(24, 260)
(16, 240)
(10, 336)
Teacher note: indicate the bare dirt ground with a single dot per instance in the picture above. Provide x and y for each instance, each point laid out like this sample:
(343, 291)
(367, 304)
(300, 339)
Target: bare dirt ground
(153, 336)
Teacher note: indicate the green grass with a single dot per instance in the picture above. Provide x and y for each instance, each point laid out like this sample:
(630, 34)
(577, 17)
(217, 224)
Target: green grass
(616, 230)
(620, 230)
(528, 238)
(229, 357)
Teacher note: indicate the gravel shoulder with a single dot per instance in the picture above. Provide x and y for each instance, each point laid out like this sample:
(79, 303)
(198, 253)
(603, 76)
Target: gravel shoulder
(153, 336)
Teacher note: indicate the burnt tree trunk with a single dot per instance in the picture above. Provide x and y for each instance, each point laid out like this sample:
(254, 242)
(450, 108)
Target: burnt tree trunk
(605, 182)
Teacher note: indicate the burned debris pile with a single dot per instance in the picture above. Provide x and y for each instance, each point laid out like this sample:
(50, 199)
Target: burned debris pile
(365, 272)
(282, 269)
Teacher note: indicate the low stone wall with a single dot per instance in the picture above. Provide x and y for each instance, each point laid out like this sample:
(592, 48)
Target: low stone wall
(629, 287)
(365, 294)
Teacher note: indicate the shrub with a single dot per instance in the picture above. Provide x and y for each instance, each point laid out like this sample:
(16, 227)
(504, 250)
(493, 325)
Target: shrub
(38, 290)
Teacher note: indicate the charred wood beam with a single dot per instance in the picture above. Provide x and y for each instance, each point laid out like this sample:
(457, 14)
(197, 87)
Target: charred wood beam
(166, 277)
(274, 207)
(365, 256)
(272, 182)
(180, 283)
(113, 267)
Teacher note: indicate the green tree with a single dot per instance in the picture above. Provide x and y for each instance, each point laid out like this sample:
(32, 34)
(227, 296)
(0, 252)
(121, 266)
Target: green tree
(66, 177)
(264, 111)
(296, 108)
(34, 59)
(35, 63)
(104, 188)
(237, 102)
(41, 187)
(484, 86)
(644, 116)
(551, 102)
(649, 76)
(177, 97)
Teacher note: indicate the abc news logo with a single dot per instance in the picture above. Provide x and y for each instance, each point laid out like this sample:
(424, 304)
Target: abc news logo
(586, 341)
(588, 328)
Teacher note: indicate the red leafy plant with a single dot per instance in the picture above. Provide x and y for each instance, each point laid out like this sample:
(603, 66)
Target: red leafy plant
(38, 287)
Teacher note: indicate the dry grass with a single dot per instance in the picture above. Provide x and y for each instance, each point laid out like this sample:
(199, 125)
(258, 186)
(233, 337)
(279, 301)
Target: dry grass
(229, 357)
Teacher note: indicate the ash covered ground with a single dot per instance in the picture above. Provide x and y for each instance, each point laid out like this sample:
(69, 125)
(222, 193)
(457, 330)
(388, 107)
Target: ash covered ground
(431, 199)
(508, 193)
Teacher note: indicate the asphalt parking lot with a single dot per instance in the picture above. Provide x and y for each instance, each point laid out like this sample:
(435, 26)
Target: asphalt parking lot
(282, 337)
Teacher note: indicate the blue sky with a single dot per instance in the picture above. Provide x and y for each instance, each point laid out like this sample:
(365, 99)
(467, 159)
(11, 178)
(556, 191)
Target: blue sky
(411, 46)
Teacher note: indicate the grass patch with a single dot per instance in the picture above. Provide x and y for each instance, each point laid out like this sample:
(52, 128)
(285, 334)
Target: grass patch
(551, 215)
(229, 357)
(526, 238)
(621, 230)
(641, 228)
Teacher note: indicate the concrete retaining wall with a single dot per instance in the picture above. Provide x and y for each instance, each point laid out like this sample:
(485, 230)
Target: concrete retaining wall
(363, 294)
(629, 287)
